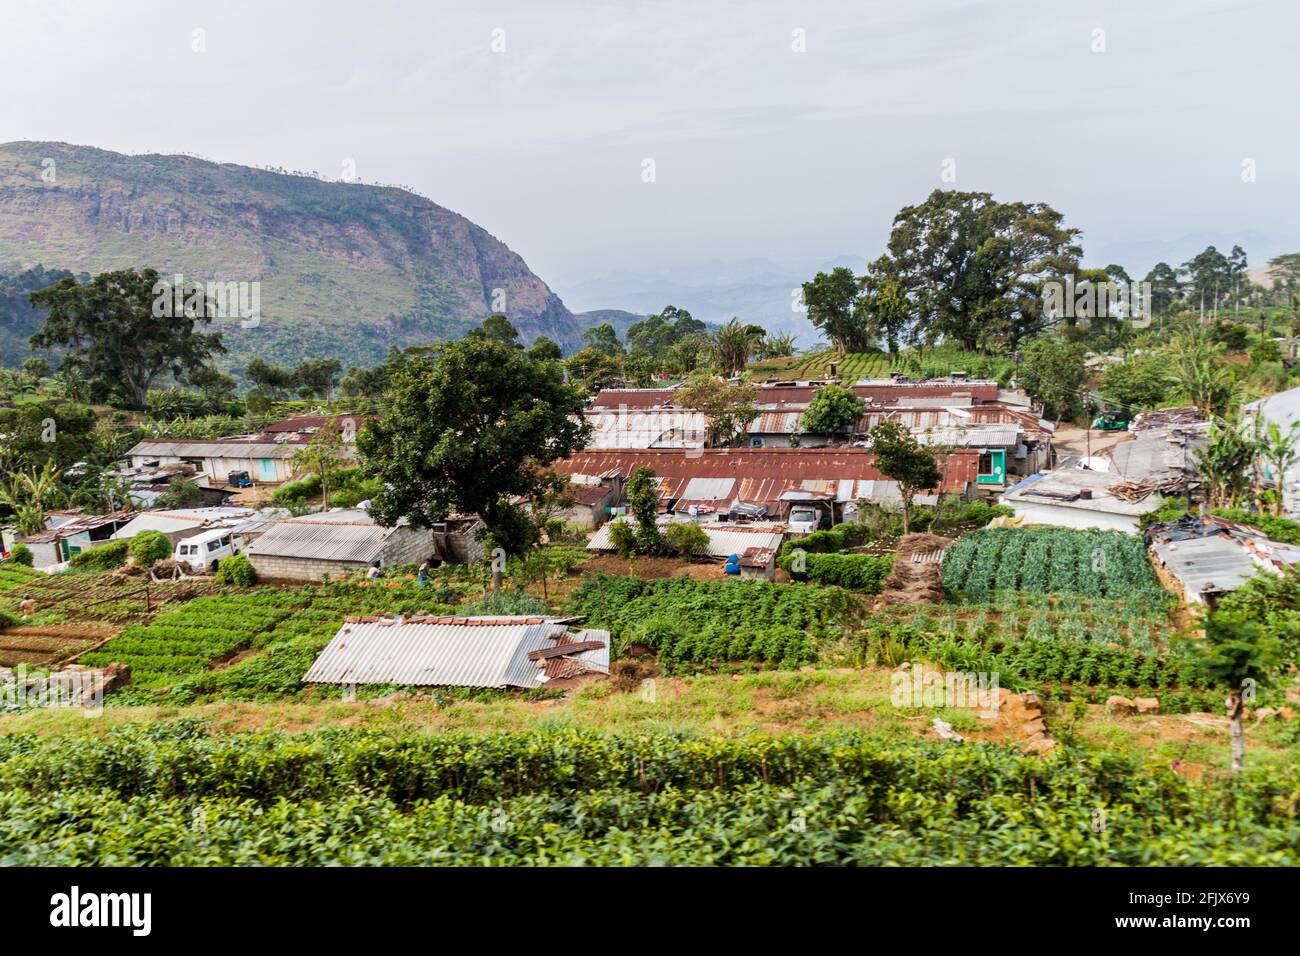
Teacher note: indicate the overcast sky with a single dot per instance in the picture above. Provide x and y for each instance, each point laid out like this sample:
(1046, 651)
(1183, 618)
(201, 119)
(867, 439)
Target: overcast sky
(789, 132)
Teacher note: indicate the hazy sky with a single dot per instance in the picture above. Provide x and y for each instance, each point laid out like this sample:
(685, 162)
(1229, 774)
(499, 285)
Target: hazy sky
(760, 149)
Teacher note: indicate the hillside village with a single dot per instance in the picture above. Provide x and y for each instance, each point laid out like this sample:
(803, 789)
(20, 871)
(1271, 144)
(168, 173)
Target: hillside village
(677, 531)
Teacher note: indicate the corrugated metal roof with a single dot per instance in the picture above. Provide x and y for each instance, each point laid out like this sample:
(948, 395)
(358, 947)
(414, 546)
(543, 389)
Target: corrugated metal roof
(987, 437)
(708, 489)
(183, 519)
(654, 428)
(339, 536)
(775, 423)
(150, 448)
(445, 654)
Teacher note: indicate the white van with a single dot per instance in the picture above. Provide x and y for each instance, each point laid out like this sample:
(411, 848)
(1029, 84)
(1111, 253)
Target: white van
(203, 551)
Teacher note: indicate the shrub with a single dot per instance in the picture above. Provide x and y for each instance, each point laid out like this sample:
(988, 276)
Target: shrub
(21, 554)
(104, 557)
(623, 537)
(857, 572)
(686, 538)
(236, 570)
(506, 603)
(149, 547)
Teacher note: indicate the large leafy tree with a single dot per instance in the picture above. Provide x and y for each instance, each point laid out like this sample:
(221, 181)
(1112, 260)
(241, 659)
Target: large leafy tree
(498, 328)
(972, 268)
(604, 339)
(111, 325)
(470, 430)
(656, 334)
(1209, 278)
(1138, 383)
(899, 456)
(832, 409)
(728, 407)
(833, 303)
(1165, 288)
(1054, 371)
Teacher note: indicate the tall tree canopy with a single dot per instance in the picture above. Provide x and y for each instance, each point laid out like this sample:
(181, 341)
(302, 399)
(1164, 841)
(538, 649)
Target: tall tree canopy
(972, 268)
(832, 299)
(124, 348)
(468, 431)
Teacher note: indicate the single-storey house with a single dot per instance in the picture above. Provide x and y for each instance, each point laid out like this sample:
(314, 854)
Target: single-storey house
(724, 539)
(1205, 557)
(334, 544)
(424, 651)
(265, 455)
(68, 533)
(719, 479)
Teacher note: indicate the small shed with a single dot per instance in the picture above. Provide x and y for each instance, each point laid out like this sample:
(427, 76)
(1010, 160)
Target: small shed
(334, 544)
(758, 564)
(425, 651)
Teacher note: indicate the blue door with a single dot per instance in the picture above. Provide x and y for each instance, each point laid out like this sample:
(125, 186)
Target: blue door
(266, 469)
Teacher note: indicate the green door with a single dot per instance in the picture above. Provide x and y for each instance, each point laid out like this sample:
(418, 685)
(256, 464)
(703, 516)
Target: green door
(997, 469)
(266, 469)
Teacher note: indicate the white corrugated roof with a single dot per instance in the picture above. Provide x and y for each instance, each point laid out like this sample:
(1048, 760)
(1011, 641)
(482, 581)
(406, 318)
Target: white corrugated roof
(482, 652)
(185, 519)
(331, 536)
(214, 449)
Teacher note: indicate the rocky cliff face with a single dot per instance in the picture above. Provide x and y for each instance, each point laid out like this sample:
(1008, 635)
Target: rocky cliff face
(345, 270)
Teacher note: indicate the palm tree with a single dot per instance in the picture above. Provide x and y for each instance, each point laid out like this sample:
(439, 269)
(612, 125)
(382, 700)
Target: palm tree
(777, 345)
(26, 494)
(1224, 461)
(733, 344)
(1201, 377)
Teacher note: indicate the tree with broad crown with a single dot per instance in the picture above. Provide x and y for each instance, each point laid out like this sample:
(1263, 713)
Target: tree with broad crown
(499, 328)
(832, 301)
(972, 269)
(728, 407)
(900, 457)
(123, 347)
(468, 431)
(832, 409)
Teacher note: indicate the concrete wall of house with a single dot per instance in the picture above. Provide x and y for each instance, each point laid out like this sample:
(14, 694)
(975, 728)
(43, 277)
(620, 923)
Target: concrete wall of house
(277, 568)
(218, 469)
(44, 554)
(407, 546)
(1080, 519)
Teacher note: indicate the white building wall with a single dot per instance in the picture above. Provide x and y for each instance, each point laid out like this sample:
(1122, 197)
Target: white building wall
(1081, 519)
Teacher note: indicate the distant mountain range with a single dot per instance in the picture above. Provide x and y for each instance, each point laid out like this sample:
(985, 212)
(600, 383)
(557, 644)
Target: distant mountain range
(345, 269)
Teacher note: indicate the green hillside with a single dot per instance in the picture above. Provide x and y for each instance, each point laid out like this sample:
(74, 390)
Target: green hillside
(346, 269)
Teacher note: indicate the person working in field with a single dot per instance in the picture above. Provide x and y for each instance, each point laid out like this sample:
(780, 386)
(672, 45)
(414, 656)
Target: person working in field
(27, 607)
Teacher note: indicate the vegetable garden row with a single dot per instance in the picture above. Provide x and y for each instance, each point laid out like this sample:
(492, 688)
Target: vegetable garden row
(688, 622)
(1092, 563)
(172, 794)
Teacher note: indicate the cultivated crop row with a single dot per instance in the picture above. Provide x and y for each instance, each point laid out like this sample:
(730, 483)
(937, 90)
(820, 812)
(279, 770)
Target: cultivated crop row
(1098, 564)
(174, 795)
